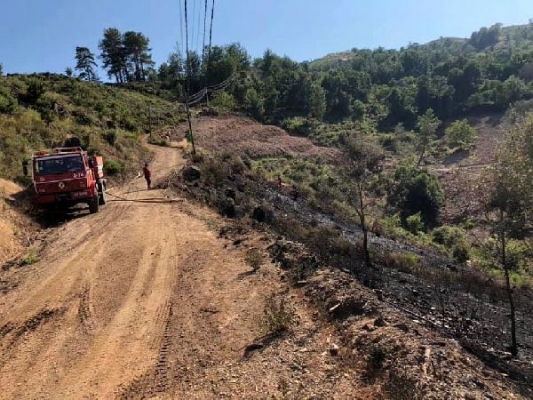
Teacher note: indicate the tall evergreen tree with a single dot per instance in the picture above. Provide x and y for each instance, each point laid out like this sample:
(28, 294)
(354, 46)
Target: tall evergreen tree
(85, 64)
(137, 52)
(113, 55)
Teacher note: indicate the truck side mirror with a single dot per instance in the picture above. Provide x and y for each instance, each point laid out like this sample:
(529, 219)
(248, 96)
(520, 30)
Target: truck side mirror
(25, 168)
(91, 163)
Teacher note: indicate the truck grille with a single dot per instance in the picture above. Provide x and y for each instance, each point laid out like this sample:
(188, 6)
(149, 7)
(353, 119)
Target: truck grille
(61, 186)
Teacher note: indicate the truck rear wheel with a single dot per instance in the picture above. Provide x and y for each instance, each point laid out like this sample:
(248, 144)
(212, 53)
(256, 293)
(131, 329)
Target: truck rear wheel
(94, 205)
(101, 194)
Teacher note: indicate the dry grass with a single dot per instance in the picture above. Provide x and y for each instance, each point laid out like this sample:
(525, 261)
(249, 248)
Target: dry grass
(254, 259)
(278, 316)
(245, 137)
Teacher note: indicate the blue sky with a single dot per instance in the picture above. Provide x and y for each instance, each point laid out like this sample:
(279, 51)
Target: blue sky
(38, 35)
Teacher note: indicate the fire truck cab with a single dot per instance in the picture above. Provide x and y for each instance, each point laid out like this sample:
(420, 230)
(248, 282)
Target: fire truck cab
(66, 176)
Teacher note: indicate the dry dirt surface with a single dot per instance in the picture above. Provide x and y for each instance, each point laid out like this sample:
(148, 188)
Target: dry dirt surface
(145, 300)
(244, 136)
(152, 298)
(14, 227)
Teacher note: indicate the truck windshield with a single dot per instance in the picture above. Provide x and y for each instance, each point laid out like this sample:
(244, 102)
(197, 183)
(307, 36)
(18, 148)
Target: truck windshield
(59, 165)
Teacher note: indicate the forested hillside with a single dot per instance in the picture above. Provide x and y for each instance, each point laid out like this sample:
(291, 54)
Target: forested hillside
(378, 89)
(453, 77)
(384, 88)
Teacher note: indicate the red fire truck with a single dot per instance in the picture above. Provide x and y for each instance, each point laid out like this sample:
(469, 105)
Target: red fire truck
(66, 176)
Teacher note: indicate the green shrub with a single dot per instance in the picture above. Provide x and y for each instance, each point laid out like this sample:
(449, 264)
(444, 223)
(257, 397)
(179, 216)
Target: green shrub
(460, 253)
(403, 262)
(389, 142)
(8, 103)
(214, 172)
(30, 119)
(358, 110)
(31, 258)
(460, 133)
(298, 125)
(415, 191)
(415, 223)
(517, 254)
(111, 136)
(224, 101)
(158, 141)
(35, 90)
(448, 236)
(255, 104)
(112, 167)
(468, 224)
(82, 117)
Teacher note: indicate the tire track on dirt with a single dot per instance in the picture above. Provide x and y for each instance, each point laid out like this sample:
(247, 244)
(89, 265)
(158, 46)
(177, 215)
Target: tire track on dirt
(109, 273)
(156, 380)
(161, 378)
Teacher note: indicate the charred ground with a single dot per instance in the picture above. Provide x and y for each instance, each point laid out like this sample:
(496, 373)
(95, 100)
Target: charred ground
(426, 286)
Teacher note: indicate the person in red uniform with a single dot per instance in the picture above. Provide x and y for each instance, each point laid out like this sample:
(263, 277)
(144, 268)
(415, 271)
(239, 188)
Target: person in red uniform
(147, 175)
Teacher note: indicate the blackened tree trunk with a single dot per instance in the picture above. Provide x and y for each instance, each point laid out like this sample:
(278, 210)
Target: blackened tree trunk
(509, 289)
(362, 218)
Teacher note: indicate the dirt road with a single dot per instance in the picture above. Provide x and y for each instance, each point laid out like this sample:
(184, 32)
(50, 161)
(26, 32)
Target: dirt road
(116, 294)
(150, 298)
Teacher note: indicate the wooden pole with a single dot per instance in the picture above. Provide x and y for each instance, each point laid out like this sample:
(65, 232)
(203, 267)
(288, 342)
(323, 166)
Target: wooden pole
(190, 123)
(150, 119)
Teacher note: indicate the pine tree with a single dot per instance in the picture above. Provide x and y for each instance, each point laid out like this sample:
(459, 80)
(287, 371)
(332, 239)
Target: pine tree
(113, 55)
(86, 64)
(137, 51)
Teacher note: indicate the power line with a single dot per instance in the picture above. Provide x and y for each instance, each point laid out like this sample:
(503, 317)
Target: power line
(199, 96)
(198, 26)
(181, 27)
(193, 31)
(205, 27)
(216, 87)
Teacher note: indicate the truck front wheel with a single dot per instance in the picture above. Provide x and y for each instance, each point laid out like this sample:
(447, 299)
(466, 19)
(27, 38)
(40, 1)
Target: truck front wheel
(94, 205)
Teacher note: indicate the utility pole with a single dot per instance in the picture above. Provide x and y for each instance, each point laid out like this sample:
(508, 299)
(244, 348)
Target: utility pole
(188, 80)
(150, 119)
(190, 123)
